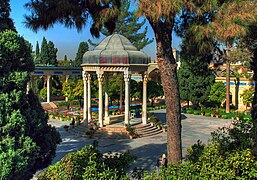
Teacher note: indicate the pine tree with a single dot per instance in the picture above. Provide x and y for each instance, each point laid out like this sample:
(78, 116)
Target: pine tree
(83, 47)
(129, 26)
(52, 53)
(6, 21)
(44, 55)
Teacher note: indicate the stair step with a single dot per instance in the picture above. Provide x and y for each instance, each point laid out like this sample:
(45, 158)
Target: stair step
(149, 132)
(152, 134)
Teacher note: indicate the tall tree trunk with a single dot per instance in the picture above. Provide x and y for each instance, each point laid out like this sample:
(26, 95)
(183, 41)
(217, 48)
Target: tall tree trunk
(227, 86)
(168, 69)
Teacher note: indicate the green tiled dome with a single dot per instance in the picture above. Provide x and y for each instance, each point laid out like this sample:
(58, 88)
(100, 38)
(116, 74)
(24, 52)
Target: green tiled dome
(115, 49)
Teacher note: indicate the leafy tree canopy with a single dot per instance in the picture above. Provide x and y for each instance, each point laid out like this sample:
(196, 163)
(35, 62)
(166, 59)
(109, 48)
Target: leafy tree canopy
(72, 14)
(6, 21)
(218, 92)
(15, 53)
(83, 47)
(128, 25)
(27, 143)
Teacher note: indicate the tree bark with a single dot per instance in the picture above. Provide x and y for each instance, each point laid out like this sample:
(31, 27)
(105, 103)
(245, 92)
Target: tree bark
(168, 69)
(227, 86)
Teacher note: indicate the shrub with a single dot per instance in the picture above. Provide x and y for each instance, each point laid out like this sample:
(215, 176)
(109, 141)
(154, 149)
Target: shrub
(43, 93)
(230, 154)
(196, 112)
(208, 114)
(89, 163)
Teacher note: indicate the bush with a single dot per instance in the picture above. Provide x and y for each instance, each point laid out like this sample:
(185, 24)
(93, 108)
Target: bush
(89, 163)
(43, 93)
(189, 111)
(196, 112)
(230, 154)
(208, 114)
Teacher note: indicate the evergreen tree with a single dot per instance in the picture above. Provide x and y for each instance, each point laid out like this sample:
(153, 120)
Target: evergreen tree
(65, 58)
(83, 47)
(6, 21)
(129, 26)
(44, 55)
(52, 53)
(37, 54)
(195, 77)
(27, 143)
(195, 80)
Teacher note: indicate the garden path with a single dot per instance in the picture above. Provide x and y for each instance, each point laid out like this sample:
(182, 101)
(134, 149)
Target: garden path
(147, 149)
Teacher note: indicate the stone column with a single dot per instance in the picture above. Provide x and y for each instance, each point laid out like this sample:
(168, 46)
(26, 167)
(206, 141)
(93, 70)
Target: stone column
(106, 94)
(85, 118)
(66, 80)
(49, 87)
(89, 97)
(144, 105)
(127, 94)
(100, 91)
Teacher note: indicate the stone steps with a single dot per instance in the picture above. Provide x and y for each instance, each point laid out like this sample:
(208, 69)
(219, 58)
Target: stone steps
(147, 130)
(116, 132)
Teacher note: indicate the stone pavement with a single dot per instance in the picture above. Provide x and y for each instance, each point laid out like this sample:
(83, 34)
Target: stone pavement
(147, 149)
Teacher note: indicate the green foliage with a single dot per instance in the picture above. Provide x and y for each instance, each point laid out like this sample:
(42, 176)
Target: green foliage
(27, 143)
(52, 53)
(45, 14)
(48, 53)
(79, 89)
(43, 93)
(15, 53)
(228, 155)
(195, 79)
(83, 47)
(88, 163)
(37, 55)
(44, 52)
(154, 90)
(6, 21)
(218, 93)
(247, 96)
(128, 25)
(68, 89)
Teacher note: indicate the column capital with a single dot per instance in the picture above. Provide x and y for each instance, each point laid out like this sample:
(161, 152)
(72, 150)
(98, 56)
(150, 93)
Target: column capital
(145, 77)
(127, 76)
(89, 77)
(100, 76)
(85, 75)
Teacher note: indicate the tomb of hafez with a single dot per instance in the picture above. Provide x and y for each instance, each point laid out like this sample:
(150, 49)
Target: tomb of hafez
(114, 55)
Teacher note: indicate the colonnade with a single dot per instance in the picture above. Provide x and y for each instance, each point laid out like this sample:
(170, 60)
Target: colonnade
(104, 76)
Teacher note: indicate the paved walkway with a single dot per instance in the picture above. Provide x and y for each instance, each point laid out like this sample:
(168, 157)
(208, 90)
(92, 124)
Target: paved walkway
(147, 149)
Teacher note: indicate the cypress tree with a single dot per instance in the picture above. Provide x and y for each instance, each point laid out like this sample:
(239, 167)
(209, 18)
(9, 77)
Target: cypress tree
(37, 54)
(195, 77)
(65, 58)
(6, 21)
(44, 56)
(52, 53)
(83, 47)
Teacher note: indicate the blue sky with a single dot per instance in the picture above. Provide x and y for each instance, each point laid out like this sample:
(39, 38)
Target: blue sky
(66, 40)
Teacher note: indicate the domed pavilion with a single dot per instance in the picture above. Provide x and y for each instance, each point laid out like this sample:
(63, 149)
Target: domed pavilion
(115, 54)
